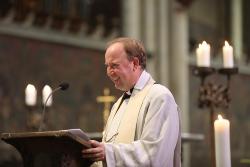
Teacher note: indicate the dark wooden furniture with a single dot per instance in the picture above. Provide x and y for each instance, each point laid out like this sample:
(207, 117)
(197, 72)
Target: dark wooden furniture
(50, 148)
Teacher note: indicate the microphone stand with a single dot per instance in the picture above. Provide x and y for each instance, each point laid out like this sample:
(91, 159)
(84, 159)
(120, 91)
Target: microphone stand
(44, 107)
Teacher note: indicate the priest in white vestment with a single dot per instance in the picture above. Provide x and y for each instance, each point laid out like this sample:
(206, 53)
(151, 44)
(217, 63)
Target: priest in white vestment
(143, 129)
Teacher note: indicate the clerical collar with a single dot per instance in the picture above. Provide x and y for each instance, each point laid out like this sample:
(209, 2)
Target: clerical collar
(143, 79)
(130, 91)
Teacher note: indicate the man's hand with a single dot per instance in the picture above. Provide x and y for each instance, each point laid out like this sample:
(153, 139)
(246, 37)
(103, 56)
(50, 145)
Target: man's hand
(96, 153)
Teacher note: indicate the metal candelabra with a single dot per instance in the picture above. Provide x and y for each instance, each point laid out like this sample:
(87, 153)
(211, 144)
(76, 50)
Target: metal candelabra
(213, 95)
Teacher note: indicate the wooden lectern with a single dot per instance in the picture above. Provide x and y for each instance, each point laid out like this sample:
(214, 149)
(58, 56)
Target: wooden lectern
(50, 148)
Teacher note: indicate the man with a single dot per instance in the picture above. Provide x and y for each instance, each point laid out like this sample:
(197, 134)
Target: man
(143, 129)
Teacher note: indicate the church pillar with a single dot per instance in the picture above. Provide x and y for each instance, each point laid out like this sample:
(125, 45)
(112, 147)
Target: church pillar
(139, 23)
(236, 26)
(162, 43)
(149, 34)
(131, 17)
(179, 82)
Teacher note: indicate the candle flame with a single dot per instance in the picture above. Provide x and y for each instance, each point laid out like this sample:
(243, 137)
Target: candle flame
(47, 88)
(205, 45)
(220, 117)
(46, 93)
(30, 87)
(226, 43)
(30, 95)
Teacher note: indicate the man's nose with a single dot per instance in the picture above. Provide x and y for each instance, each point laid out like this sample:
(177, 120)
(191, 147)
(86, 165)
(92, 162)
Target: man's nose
(110, 71)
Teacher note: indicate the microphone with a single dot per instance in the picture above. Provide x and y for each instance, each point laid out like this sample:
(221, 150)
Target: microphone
(63, 86)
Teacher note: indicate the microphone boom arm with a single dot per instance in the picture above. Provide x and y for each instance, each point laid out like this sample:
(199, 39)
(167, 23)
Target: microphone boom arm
(44, 106)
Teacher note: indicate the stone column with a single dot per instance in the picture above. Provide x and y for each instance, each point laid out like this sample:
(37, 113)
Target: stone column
(162, 43)
(131, 18)
(236, 26)
(179, 82)
(149, 34)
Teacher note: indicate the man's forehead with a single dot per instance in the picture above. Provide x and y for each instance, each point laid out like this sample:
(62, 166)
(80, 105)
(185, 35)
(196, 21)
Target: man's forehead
(115, 53)
(112, 59)
(116, 47)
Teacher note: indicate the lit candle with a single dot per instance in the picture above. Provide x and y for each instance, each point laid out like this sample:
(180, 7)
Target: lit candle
(222, 142)
(46, 92)
(203, 55)
(228, 56)
(30, 95)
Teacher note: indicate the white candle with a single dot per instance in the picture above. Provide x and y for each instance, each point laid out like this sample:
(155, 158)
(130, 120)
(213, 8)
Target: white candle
(30, 95)
(46, 92)
(203, 55)
(228, 56)
(222, 142)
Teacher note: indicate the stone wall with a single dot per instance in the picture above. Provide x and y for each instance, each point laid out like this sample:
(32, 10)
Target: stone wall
(24, 61)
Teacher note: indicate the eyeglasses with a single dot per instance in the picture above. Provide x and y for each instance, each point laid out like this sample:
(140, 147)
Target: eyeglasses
(111, 138)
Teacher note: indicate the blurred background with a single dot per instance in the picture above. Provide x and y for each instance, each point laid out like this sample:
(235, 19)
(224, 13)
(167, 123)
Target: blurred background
(47, 42)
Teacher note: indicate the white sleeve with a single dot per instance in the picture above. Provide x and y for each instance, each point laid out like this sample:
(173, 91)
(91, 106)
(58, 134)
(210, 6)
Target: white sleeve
(156, 144)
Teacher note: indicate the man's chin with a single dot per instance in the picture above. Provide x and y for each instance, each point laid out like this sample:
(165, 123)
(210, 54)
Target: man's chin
(119, 87)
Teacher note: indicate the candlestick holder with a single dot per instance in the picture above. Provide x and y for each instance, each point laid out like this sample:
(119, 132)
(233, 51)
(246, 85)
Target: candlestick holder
(213, 95)
(36, 117)
(33, 117)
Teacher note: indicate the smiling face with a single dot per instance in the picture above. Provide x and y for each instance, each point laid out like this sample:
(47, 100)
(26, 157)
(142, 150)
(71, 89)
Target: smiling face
(123, 72)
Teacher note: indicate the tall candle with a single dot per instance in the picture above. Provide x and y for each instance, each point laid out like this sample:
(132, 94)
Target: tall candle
(30, 95)
(46, 92)
(222, 142)
(228, 56)
(203, 55)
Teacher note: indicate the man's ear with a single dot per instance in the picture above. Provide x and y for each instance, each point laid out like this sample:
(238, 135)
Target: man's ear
(136, 63)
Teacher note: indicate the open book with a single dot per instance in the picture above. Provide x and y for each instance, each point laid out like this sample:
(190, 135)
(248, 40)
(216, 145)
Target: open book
(77, 134)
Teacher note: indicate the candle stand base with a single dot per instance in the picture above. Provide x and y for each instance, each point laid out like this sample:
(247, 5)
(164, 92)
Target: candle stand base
(212, 96)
